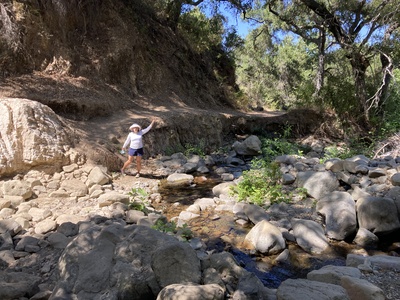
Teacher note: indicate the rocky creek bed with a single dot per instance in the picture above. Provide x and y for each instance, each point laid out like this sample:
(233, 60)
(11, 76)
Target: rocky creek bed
(71, 235)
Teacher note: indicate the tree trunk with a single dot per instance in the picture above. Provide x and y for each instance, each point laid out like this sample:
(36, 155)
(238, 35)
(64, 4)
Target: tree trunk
(359, 64)
(387, 68)
(320, 76)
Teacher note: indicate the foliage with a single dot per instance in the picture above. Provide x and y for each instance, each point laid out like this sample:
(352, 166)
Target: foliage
(185, 232)
(195, 149)
(389, 123)
(301, 192)
(357, 146)
(273, 75)
(170, 227)
(280, 145)
(340, 57)
(203, 33)
(138, 199)
(261, 184)
(335, 151)
(205, 36)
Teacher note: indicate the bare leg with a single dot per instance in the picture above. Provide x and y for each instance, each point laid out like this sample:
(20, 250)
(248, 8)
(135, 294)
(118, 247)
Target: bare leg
(138, 163)
(127, 163)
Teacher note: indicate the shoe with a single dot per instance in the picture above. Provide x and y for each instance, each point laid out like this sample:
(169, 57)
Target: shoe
(122, 172)
(137, 175)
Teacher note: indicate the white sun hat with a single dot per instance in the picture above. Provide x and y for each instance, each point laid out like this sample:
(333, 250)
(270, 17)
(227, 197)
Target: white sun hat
(135, 125)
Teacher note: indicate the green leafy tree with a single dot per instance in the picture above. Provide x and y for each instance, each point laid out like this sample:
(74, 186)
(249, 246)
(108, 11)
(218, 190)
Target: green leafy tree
(362, 30)
(275, 75)
(202, 32)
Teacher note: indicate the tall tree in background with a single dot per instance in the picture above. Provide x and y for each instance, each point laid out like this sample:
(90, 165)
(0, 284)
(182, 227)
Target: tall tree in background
(360, 28)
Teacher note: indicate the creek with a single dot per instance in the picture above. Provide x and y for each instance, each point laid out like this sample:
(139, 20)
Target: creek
(219, 232)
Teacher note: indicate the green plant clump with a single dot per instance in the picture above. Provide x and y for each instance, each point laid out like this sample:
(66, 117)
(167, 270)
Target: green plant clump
(281, 145)
(139, 199)
(170, 227)
(261, 184)
(197, 150)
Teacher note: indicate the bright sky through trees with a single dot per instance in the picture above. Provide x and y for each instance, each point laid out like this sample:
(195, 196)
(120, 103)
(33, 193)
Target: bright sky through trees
(242, 27)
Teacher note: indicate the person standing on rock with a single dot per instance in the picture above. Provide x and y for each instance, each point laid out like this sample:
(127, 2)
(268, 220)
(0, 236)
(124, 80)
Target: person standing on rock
(135, 142)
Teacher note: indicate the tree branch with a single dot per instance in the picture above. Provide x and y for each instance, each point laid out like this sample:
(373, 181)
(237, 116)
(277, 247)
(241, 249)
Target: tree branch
(333, 23)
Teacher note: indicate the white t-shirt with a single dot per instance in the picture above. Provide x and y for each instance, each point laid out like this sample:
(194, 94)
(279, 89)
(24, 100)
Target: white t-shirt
(134, 140)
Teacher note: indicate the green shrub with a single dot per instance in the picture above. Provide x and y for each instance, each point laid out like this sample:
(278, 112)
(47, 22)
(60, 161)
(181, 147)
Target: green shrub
(354, 147)
(170, 227)
(280, 145)
(261, 184)
(197, 150)
(139, 199)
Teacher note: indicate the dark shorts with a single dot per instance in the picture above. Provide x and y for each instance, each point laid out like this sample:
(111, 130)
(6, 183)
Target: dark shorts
(135, 152)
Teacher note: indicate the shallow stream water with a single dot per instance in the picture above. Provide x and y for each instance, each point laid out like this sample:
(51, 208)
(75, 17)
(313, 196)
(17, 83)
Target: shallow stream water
(220, 232)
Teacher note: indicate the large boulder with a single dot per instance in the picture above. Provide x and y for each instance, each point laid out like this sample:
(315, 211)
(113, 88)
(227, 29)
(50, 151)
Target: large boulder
(333, 274)
(31, 136)
(303, 289)
(378, 214)
(340, 214)
(179, 179)
(266, 238)
(317, 184)
(309, 236)
(17, 188)
(250, 146)
(384, 262)
(123, 262)
(394, 193)
(27, 285)
(192, 291)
